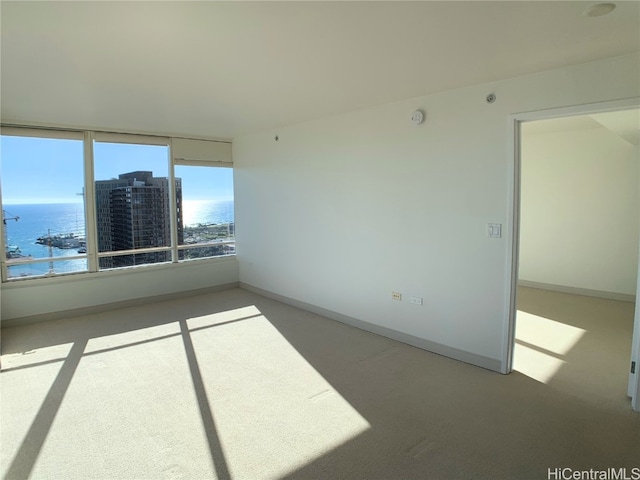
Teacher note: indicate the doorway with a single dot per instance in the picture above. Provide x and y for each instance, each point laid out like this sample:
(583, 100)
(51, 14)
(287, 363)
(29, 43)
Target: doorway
(575, 250)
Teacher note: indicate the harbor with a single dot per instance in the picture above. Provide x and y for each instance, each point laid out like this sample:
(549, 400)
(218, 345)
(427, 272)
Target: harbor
(57, 232)
(64, 241)
(26, 239)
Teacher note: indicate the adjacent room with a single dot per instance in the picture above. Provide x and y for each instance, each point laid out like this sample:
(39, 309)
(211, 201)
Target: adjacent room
(319, 240)
(579, 220)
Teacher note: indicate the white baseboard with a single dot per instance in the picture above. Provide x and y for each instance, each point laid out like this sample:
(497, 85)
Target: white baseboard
(433, 347)
(623, 297)
(76, 312)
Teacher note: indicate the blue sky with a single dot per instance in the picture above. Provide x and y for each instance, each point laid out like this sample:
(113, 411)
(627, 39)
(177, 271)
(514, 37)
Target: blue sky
(39, 170)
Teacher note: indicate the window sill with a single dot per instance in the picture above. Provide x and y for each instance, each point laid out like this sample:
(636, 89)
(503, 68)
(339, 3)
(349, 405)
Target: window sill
(25, 282)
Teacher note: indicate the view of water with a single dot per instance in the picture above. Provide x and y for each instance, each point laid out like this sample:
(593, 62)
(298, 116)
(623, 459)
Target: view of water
(37, 220)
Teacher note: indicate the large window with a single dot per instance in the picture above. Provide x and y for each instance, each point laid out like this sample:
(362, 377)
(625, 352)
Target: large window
(141, 204)
(42, 205)
(207, 211)
(132, 198)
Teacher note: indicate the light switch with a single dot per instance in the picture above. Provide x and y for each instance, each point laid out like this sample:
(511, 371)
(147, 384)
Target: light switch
(495, 230)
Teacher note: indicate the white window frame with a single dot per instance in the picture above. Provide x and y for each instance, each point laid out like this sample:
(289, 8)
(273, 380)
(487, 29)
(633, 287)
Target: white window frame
(198, 163)
(199, 153)
(130, 139)
(181, 151)
(52, 134)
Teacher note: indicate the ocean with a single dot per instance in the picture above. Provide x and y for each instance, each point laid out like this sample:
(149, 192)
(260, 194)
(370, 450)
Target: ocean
(37, 220)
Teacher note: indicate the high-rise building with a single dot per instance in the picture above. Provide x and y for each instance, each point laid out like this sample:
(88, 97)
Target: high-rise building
(133, 212)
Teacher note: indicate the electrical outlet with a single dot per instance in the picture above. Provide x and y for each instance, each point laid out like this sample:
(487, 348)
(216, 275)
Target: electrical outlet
(396, 296)
(416, 300)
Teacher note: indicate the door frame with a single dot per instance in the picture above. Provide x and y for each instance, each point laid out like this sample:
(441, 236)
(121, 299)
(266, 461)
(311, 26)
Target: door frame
(634, 379)
(513, 230)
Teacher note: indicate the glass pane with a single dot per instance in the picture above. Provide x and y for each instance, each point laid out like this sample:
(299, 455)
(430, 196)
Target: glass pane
(39, 269)
(42, 198)
(208, 251)
(121, 261)
(207, 210)
(132, 201)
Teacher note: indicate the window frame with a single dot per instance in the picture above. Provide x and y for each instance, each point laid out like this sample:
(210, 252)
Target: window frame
(132, 139)
(199, 163)
(51, 134)
(189, 152)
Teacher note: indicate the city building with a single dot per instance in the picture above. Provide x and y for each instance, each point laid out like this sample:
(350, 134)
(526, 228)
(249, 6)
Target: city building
(132, 212)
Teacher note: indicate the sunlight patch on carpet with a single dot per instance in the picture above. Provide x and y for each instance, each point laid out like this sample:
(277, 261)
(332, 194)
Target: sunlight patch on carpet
(25, 383)
(541, 343)
(268, 401)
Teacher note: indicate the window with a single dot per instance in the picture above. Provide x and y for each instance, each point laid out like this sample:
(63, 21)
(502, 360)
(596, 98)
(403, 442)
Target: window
(132, 203)
(42, 178)
(144, 200)
(207, 211)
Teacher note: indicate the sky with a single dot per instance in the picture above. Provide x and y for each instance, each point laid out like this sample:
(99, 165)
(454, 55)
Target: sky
(40, 170)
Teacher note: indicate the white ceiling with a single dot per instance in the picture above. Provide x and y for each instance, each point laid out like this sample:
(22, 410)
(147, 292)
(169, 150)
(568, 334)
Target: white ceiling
(624, 123)
(221, 69)
(562, 124)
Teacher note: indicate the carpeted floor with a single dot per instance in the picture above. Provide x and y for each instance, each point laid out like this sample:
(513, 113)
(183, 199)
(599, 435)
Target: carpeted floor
(577, 345)
(236, 386)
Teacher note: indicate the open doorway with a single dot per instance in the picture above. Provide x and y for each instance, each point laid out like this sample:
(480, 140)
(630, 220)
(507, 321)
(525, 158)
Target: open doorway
(578, 253)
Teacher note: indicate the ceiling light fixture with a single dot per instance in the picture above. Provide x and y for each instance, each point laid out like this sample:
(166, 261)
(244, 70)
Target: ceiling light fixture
(599, 9)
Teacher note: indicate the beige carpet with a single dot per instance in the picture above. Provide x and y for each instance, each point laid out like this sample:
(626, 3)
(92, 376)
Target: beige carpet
(235, 386)
(577, 345)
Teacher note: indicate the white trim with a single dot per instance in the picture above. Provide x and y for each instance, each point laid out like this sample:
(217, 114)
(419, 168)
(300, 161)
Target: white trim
(129, 138)
(91, 224)
(42, 133)
(185, 246)
(514, 203)
(633, 388)
(634, 379)
(52, 127)
(27, 282)
(133, 251)
(69, 128)
(433, 347)
(587, 109)
(217, 140)
(200, 152)
(587, 292)
(30, 261)
(173, 209)
(202, 163)
(513, 246)
(3, 256)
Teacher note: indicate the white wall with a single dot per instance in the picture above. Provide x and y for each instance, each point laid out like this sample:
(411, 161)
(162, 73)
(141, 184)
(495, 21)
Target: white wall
(49, 295)
(580, 210)
(343, 210)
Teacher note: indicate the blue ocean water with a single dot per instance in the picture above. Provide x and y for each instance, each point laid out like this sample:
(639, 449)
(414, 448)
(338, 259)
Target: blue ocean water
(37, 220)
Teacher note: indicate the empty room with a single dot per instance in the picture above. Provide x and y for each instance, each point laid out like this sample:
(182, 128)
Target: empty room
(579, 252)
(293, 240)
